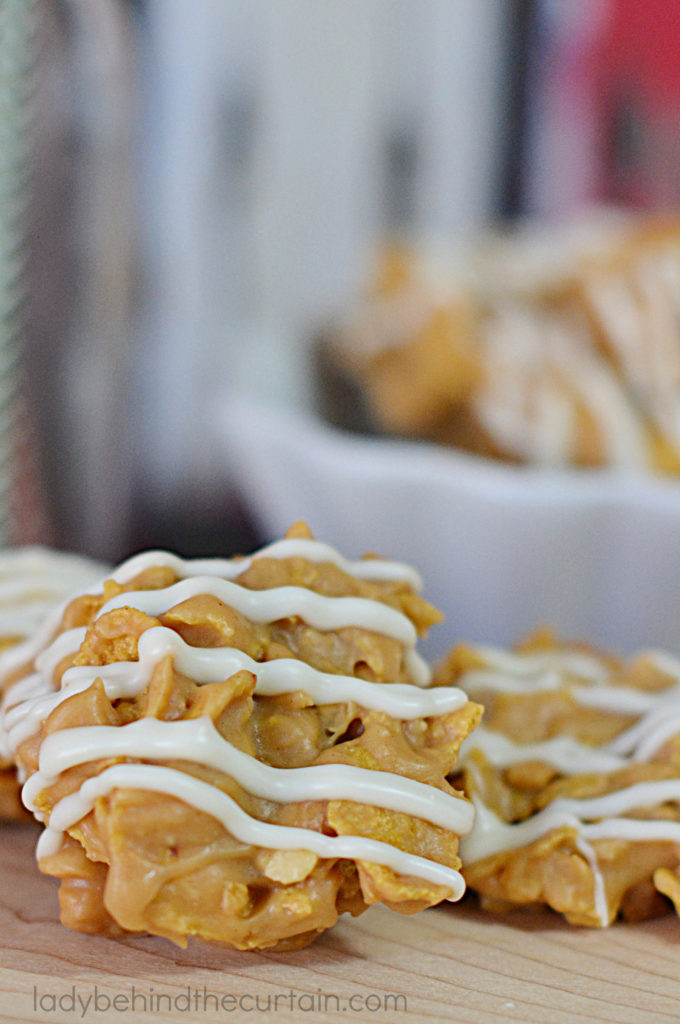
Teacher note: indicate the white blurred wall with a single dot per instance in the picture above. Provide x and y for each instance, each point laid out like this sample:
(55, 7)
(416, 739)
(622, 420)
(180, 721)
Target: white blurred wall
(281, 139)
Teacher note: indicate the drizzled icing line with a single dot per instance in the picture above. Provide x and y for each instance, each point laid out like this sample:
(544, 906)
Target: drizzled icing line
(199, 742)
(36, 584)
(563, 753)
(491, 835)
(211, 665)
(36, 685)
(33, 579)
(317, 610)
(659, 721)
(377, 569)
(658, 711)
(260, 605)
(570, 757)
(270, 605)
(240, 825)
(587, 678)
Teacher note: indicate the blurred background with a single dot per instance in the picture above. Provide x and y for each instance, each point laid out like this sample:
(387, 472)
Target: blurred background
(191, 189)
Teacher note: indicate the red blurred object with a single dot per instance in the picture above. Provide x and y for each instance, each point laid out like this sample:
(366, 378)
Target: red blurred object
(641, 41)
(638, 74)
(604, 107)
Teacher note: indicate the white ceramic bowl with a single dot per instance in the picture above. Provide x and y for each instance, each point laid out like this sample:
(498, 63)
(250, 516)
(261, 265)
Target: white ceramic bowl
(501, 548)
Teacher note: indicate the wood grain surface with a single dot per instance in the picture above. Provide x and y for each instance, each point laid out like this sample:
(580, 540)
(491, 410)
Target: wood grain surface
(450, 964)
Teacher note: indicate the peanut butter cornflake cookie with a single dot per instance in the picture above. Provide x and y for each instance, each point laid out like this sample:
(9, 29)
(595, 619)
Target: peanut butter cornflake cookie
(575, 778)
(34, 583)
(242, 749)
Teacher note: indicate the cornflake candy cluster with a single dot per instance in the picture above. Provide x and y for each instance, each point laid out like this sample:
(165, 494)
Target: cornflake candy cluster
(552, 344)
(242, 749)
(35, 583)
(575, 778)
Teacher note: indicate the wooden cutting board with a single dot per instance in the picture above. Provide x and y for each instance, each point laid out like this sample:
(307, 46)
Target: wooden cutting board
(449, 964)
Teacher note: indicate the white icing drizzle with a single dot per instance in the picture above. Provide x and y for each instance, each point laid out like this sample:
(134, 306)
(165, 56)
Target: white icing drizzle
(658, 730)
(36, 583)
(613, 355)
(35, 698)
(24, 653)
(34, 686)
(531, 668)
(541, 369)
(638, 310)
(197, 741)
(564, 753)
(481, 680)
(270, 605)
(377, 569)
(587, 680)
(491, 835)
(34, 579)
(85, 577)
(658, 721)
(245, 829)
(640, 794)
(317, 610)
(66, 643)
(221, 568)
(599, 892)
(664, 662)
(617, 699)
